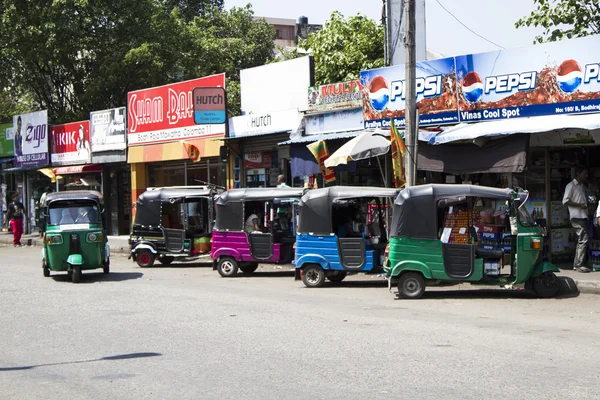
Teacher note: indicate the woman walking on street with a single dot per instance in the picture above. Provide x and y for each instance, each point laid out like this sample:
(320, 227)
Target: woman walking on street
(16, 212)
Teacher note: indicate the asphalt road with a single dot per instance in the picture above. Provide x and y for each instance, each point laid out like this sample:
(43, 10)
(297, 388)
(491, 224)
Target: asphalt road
(185, 333)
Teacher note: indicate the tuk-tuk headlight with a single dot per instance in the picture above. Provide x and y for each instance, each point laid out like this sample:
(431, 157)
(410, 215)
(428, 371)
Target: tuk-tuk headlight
(54, 239)
(94, 237)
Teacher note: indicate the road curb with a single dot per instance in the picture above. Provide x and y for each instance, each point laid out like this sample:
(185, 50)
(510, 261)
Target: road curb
(589, 287)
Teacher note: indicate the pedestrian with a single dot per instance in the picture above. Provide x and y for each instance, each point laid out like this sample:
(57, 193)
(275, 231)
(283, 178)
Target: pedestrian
(16, 213)
(281, 182)
(575, 199)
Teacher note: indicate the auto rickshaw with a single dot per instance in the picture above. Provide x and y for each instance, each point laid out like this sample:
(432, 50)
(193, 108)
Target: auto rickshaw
(335, 237)
(75, 237)
(172, 223)
(451, 234)
(237, 246)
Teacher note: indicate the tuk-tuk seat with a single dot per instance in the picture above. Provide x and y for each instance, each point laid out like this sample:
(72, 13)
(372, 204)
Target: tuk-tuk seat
(486, 253)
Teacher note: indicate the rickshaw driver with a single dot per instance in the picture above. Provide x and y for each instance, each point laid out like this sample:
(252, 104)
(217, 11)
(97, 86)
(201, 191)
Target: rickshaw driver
(253, 222)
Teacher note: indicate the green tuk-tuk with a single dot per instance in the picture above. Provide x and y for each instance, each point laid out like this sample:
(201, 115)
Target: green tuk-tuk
(451, 234)
(75, 237)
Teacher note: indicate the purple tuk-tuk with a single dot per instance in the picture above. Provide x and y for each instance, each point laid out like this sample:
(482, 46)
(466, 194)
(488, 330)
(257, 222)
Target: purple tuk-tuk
(252, 226)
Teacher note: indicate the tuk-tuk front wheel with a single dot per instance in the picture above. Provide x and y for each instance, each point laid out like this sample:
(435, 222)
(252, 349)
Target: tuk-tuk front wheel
(227, 267)
(411, 285)
(46, 269)
(106, 267)
(144, 258)
(546, 285)
(313, 276)
(76, 274)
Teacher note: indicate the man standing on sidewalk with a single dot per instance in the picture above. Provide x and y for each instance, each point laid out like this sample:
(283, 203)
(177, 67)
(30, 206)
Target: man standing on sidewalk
(575, 199)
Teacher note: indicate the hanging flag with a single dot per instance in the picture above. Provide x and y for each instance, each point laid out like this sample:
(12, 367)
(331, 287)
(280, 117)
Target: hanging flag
(398, 153)
(321, 153)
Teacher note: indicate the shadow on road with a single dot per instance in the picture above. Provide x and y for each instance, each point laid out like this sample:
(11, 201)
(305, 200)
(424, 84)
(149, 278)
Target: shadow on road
(93, 277)
(266, 274)
(109, 358)
(182, 265)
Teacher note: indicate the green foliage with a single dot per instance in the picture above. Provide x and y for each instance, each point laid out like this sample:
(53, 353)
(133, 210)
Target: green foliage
(75, 56)
(563, 19)
(344, 47)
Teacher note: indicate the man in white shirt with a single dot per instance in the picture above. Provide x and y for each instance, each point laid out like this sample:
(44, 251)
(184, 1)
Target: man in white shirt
(575, 199)
(253, 223)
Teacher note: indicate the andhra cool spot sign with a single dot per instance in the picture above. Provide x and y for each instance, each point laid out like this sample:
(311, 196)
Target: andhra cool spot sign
(384, 94)
(70, 143)
(166, 113)
(546, 79)
(31, 139)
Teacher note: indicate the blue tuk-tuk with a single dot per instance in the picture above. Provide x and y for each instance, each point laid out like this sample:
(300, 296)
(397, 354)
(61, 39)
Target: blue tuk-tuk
(341, 230)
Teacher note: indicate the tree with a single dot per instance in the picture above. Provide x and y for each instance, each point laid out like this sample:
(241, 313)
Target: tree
(193, 8)
(563, 19)
(343, 48)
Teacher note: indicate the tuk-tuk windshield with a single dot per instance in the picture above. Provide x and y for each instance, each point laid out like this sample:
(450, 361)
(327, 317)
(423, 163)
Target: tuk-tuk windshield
(74, 214)
(524, 217)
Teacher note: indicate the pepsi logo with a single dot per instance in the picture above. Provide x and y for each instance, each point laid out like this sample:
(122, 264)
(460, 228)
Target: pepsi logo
(569, 76)
(472, 87)
(379, 93)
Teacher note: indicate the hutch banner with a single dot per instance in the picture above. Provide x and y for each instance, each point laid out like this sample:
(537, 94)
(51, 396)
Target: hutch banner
(334, 96)
(384, 94)
(70, 143)
(31, 139)
(166, 113)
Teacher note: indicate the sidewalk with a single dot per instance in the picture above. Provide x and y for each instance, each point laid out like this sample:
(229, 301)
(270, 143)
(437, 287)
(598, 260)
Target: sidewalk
(118, 244)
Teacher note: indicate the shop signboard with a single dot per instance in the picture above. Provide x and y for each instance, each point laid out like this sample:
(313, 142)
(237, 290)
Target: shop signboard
(384, 94)
(166, 113)
(6, 141)
(258, 159)
(334, 96)
(262, 124)
(546, 79)
(210, 105)
(337, 121)
(31, 139)
(70, 143)
(108, 130)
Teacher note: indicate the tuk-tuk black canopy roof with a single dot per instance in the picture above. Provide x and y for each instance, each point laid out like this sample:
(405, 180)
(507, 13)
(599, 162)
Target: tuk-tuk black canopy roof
(315, 206)
(230, 204)
(416, 208)
(148, 205)
(74, 195)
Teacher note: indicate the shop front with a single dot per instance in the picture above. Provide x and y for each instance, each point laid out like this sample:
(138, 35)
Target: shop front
(108, 132)
(261, 158)
(165, 146)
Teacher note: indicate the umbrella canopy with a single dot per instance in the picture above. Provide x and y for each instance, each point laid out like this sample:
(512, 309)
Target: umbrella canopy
(366, 145)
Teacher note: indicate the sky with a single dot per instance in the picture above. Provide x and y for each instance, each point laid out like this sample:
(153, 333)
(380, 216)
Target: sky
(492, 19)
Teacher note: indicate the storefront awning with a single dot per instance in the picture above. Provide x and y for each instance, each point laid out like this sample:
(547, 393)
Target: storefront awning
(508, 154)
(325, 136)
(472, 131)
(182, 150)
(77, 169)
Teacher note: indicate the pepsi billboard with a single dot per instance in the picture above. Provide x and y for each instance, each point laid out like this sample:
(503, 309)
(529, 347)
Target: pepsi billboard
(384, 94)
(547, 79)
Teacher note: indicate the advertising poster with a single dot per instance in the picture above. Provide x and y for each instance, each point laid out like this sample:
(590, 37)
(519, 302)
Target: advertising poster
(108, 130)
(31, 139)
(384, 94)
(334, 96)
(258, 159)
(71, 143)
(6, 141)
(166, 113)
(546, 79)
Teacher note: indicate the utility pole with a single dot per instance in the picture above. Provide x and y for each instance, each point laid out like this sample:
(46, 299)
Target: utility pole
(410, 134)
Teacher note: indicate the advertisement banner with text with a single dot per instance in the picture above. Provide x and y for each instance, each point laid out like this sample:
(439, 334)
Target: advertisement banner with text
(70, 143)
(6, 141)
(546, 79)
(31, 139)
(384, 93)
(166, 113)
(108, 130)
(334, 96)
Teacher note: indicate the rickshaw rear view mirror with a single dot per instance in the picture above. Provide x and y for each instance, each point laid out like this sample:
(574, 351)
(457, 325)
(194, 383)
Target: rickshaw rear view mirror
(451, 202)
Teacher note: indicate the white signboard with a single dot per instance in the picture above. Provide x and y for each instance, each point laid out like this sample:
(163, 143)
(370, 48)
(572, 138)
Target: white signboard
(260, 124)
(339, 121)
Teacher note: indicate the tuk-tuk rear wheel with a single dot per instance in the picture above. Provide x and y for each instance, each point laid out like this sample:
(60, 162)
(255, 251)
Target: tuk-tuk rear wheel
(144, 258)
(546, 285)
(166, 260)
(227, 267)
(249, 268)
(411, 285)
(76, 274)
(313, 276)
(337, 276)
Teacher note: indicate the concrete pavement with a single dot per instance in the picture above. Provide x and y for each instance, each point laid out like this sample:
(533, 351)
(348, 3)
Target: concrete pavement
(182, 332)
